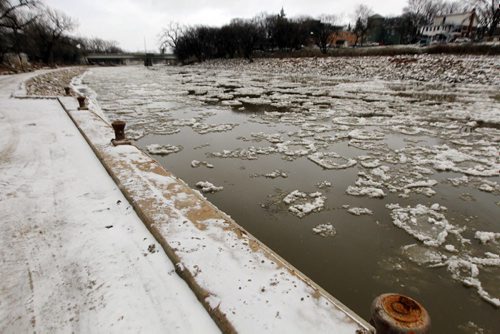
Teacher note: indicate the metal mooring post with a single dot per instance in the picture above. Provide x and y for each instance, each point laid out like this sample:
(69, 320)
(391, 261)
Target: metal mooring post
(81, 102)
(119, 128)
(67, 90)
(392, 313)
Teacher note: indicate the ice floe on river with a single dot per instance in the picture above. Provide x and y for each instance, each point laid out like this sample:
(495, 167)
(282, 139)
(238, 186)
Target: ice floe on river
(163, 149)
(325, 230)
(207, 187)
(302, 204)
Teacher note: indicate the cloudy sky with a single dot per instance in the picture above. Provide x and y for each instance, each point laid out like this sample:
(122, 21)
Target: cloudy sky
(131, 21)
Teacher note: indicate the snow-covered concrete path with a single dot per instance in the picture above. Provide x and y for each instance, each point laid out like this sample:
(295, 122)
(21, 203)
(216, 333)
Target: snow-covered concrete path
(74, 256)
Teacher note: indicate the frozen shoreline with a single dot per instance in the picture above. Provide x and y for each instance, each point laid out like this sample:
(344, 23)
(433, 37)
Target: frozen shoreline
(75, 256)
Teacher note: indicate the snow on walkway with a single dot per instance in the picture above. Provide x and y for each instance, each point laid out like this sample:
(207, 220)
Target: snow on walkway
(74, 255)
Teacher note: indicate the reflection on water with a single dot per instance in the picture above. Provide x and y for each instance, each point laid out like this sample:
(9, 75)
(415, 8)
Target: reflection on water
(401, 155)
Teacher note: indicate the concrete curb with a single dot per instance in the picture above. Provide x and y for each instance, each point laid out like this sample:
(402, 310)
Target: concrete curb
(160, 200)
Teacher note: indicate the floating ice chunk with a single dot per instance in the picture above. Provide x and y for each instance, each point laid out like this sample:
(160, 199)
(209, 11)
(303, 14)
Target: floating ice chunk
(486, 237)
(273, 138)
(371, 164)
(467, 272)
(423, 170)
(248, 91)
(293, 196)
(196, 164)
(245, 154)
(365, 191)
(450, 248)
(492, 255)
(163, 149)
(486, 188)
(303, 204)
(276, 173)
(328, 160)
(232, 103)
(360, 211)
(135, 134)
(365, 180)
(422, 255)
(325, 230)
(459, 180)
(207, 187)
(480, 170)
(488, 261)
(365, 135)
(381, 172)
(324, 184)
(304, 147)
(202, 128)
(452, 155)
(437, 207)
(421, 184)
(424, 223)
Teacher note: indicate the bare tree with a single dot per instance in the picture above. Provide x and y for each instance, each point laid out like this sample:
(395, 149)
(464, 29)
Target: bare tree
(488, 14)
(169, 36)
(10, 8)
(422, 12)
(13, 19)
(98, 45)
(322, 29)
(361, 15)
(50, 27)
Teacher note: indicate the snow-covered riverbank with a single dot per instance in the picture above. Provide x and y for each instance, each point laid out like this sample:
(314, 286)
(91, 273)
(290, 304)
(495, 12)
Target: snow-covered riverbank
(74, 255)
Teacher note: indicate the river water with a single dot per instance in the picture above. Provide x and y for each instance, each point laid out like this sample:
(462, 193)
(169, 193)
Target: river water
(395, 167)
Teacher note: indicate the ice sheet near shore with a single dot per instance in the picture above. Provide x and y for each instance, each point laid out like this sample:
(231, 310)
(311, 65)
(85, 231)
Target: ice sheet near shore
(407, 130)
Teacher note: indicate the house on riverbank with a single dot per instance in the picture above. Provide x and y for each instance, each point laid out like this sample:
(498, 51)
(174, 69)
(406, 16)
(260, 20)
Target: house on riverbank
(447, 28)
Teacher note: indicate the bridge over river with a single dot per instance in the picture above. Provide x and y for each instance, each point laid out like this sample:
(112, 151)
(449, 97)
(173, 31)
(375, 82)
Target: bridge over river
(130, 58)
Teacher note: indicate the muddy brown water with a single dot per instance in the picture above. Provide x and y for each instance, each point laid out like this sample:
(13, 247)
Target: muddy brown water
(365, 258)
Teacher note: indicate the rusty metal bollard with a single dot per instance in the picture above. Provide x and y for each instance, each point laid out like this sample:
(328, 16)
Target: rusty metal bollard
(67, 90)
(81, 102)
(119, 128)
(392, 313)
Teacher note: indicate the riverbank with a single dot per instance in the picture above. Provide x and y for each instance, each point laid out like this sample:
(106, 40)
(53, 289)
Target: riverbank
(484, 49)
(75, 256)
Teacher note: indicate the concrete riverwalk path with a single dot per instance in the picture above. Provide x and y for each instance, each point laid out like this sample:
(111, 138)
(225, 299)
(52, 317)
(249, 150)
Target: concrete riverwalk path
(74, 256)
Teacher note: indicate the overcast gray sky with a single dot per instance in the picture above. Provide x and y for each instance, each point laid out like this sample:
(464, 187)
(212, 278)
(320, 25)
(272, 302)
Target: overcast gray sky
(130, 21)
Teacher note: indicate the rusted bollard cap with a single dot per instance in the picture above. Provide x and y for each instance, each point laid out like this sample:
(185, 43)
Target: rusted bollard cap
(118, 124)
(393, 313)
